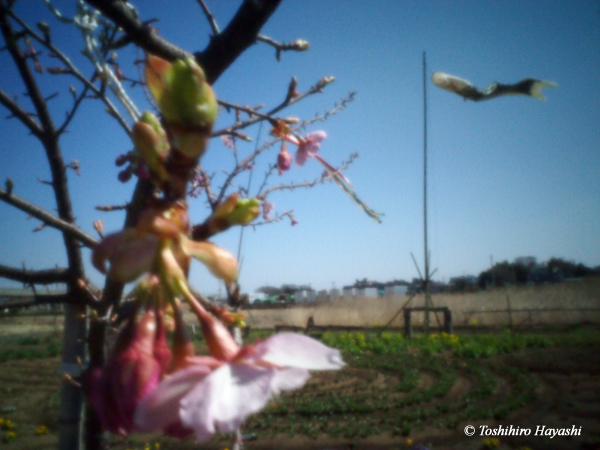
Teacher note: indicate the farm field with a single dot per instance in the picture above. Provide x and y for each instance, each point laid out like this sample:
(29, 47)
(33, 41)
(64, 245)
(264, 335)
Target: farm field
(394, 393)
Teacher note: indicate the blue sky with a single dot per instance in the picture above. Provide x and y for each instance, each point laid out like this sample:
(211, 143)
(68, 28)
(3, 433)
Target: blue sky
(507, 178)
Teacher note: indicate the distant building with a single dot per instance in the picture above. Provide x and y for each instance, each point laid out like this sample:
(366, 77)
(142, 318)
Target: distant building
(305, 296)
(396, 290)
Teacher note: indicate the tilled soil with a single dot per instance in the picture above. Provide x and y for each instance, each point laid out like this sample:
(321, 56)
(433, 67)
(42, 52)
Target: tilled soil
(568, 384)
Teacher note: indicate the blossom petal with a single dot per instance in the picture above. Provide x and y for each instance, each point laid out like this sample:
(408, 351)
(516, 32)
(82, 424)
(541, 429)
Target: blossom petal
(289, 379)
(297, 350)
(220, 262)
(129, 252)
(316, 137)
(302, 155)
(160, 408)
(223, 400)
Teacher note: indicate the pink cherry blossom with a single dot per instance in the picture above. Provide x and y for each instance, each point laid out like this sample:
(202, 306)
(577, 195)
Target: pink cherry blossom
(309, 146)
(221, 400)
(267, 208)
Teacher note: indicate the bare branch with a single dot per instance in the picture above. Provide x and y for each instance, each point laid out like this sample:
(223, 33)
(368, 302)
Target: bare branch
(48, 218)
(211, 19)
(299, 45)
(222, 50)
(50, 141)
(278, 218)
(240, 34)
(108, 208)
(72, 70)
(308, 184)
(140, 33)
(258, 117)
(47, 299)
(20, 113)
(49, 276)
(71, 113)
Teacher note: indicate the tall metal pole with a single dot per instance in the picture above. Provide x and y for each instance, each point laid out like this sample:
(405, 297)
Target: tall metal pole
(426, 250)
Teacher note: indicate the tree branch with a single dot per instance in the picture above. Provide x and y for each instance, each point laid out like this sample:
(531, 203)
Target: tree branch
(20, 114)
(48, 218)
(45, 299)
(49, 140)
(222, 50)
(317, 88)
(48, 276)
(211, 19)
(72, 70)
(140, 33)
(240, 34)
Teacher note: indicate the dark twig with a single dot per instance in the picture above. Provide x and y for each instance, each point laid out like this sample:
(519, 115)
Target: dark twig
(48, 276)
(48, 218)
(211, 19)
(72, 70)
(299, 45)
(112, 207)
(317, 88)
(20, 114)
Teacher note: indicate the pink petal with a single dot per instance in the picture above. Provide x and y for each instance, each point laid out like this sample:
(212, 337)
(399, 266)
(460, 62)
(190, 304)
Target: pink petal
(129, 252)
(302, 155)
(289, 379)
(316, 137)
(297, 350)
(223, 400)
(220, 262)
(160, 408)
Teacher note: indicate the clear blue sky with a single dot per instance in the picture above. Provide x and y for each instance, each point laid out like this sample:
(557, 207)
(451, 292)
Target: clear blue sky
(510, 177)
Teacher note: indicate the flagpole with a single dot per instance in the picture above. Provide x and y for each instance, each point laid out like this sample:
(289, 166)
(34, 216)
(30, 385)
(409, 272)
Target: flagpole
(426, 249)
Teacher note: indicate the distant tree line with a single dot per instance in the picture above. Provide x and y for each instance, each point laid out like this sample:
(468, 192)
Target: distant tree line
(519, 273)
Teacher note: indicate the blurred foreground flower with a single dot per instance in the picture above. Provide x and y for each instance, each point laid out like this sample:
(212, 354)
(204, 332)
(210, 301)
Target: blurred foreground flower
(218, 392)
(243, 382)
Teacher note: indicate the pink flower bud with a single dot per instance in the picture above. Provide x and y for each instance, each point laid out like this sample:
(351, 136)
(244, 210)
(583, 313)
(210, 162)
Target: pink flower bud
(284, 159)
(124, 176)
(131, 373)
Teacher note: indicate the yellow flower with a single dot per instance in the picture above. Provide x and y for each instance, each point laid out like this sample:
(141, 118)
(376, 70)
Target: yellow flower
(42, 429)
(491, 442)
(11, 435)
(409, 441)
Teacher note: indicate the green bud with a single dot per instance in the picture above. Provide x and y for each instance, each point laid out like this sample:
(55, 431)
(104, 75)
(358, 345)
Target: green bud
(151, 144)
(245, 211)
(189, 100)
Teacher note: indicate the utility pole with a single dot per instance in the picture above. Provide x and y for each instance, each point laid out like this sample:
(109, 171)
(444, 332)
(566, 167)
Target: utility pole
(428, 302)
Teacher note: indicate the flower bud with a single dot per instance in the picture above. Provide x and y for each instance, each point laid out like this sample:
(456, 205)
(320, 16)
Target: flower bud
(221, 344)
(284, 160)
(325, 81)
(131, 373)
(300, 45)
(151, 143)
(245, 211)
(236, 211)
(181, 91)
